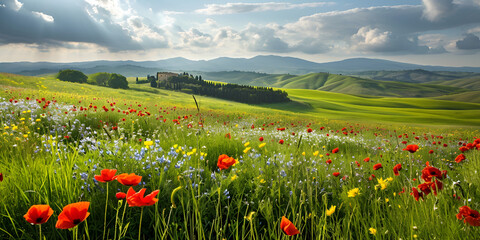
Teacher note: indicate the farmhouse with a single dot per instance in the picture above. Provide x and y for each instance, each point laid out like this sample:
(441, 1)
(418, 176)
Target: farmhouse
(163, 76)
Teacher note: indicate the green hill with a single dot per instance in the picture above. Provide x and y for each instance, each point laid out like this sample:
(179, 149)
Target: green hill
(473, 97)
(311, 103)
(360, 86)
(472, 83)
(415, 76)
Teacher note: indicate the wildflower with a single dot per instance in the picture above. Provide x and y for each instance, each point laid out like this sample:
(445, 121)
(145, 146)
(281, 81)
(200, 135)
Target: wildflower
(107, 175)
(262, 145)
(331, 210)
(335, 150)
(148, 143)
(470, 216)
(247, 149)
(411, 148)
(1, 177)
(72, 215)
(309, 130)
(328, 161)
(246, 144)
(372, 231)
(382, 183)
(120, 195)
(129, 179)
(38, 214)
(234, 177)
(288, 227)
(397, 168)
(353, 193)
(377, 166)
(367, 159)
(336, 174)
(136, 199)
(224, 161)
(260, 139)
(249, 217)
(281, 141)
(460, 158)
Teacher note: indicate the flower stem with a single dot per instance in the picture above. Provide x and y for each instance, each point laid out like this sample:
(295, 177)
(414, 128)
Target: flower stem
(105, 218)
(140, 226)
(40, 230)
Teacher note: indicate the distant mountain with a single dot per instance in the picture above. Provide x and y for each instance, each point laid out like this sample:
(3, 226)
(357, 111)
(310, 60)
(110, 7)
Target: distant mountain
(415, 76)
(265, 64)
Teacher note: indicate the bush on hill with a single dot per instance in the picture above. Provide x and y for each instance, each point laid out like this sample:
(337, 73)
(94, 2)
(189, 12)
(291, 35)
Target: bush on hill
(70, 75)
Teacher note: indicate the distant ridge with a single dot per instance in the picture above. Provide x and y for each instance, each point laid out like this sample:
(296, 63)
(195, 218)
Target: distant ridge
(263, 63)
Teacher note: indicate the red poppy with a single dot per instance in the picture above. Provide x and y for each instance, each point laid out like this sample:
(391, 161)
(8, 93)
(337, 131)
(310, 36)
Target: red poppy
(377, 166)
(136, 199)
(281, 141)
(431, 151)
(411, 148)
(471, 216)
(224, 161)
(460, 158)
(417, 195)
(429, 172)
(260, 139)
(120, 195)
(397, 168)
(228, 135)
(1, 177)
(366, 159)
(464, 149)
(129, 179)
(426, 187)
(309, 130)
(335, 150)
(107, 175)
(336, 174)
(38, 214)
(72, 215)
(328, 161)
(288, 227)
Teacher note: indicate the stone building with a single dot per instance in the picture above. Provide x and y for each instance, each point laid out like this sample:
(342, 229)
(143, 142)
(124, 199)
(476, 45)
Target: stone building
(163, 76)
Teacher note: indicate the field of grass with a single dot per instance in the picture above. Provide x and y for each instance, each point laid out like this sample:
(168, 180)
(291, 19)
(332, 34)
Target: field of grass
(467, 83)
(294, 160)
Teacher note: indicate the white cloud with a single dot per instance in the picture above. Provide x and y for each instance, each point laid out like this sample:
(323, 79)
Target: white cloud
(231, 8)
(436, 9)
(17, 5)
(45, 17)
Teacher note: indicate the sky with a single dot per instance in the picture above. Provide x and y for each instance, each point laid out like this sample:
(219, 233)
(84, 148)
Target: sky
(428, 32)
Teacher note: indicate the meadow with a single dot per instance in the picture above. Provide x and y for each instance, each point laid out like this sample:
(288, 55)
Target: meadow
(337, 166)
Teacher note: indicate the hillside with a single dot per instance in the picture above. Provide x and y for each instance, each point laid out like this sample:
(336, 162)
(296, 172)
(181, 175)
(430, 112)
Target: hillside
(267, 64)
(467, 83)
(311, 103)
(473, 97)
(414, 76)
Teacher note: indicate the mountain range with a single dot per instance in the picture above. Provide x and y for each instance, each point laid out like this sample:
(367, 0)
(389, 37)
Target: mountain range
(264, 64)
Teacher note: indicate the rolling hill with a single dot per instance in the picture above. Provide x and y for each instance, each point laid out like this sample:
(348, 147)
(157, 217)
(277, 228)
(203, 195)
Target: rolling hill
(335, 83)
(312, 103)
(415, 76)
(267, 64)
(467, 83)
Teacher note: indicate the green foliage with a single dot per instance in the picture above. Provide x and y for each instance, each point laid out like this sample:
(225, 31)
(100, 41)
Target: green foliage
(101, 78)
(70, 75)
(117, 81)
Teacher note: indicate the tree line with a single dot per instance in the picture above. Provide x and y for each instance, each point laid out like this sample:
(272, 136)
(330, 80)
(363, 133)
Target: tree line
(112, 80)
(239, 93)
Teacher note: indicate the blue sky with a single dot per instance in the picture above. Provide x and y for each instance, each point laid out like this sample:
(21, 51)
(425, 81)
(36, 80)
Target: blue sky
(430, 32)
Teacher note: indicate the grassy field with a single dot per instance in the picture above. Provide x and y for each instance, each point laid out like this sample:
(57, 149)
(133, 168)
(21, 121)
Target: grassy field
(298, 160)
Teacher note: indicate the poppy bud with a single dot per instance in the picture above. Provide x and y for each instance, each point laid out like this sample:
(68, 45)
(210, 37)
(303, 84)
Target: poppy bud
(120, 195)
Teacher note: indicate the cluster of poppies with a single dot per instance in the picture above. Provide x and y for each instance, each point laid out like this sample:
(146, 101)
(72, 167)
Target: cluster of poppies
(467, 147)
(429, 174)
(75, 213)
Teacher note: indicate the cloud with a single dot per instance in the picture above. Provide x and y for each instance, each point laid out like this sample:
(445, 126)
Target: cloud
(470, 42)
(436, 9)
(45, 17)
(195, 38)
(231, 8)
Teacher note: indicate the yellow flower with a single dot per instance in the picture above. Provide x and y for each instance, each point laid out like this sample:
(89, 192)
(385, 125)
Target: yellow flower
(321, 155)
(234, 177)
(249, 216)
(148, 143)
(303, 153)
(387, 200)
(263, 181)
(372, 231)
(262, 145)
(25, 135)
(246, 144)
(354, 192)
(246, 149)
(331, 210)
(315, 153)
(38, 120)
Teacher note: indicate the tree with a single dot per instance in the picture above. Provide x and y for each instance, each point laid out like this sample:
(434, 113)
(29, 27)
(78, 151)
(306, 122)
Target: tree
(70, 75)
(117, 81)
(100, 78)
